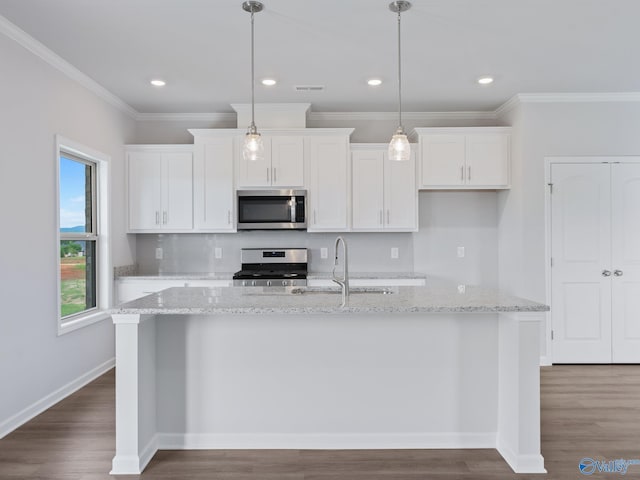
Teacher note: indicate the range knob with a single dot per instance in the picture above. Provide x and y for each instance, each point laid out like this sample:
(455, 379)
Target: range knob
(244, 283)
(268, 283)
(284, 283)
(253, 283)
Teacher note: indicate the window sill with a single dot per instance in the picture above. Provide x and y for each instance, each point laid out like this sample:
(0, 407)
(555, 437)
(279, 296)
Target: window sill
(65, 327)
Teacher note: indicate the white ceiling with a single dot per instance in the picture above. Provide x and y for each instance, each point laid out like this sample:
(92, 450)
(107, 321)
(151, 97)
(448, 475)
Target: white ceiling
(201, 48)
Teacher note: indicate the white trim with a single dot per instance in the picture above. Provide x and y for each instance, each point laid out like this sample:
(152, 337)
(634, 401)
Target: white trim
(52, 398)
(187, 117)
(533, 463)
(104, 267)
(393, 116)
(191, 441)
(25, 40)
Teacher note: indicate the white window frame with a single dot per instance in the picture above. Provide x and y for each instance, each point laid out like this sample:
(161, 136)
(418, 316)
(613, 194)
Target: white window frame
(102, 229)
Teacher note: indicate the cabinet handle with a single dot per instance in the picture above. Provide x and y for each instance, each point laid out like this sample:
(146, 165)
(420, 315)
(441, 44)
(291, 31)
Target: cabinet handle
(157, 217)
(229, 217)
(618, 273)
(469, 173)
(164, 217)
(462, 173)
(388, 217)
(380, 217)
(267, 174)
(275, 177)
(606, 273)
(315, 220)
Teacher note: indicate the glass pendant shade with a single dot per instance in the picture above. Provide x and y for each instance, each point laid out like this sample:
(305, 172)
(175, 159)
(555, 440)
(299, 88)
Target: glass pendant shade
(399, 147)
(253, 146)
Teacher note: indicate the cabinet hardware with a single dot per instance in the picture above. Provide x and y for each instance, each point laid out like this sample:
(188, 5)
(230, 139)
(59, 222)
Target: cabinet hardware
(388, 217)
(380, 217)
(462, 173)
(267, 174)
(469, 173)
(275, 177)
(550, 188)
(164, 217)
(618, 273)
(606, 273)
(229, 217)
(157, 217)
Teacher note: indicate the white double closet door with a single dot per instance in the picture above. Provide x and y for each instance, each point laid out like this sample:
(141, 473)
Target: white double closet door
(595, 273)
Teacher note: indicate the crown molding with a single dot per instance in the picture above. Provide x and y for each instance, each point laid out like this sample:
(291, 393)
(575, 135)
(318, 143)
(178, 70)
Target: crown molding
(521, 98)
(28, 42)
(389, 116)
(186, 117)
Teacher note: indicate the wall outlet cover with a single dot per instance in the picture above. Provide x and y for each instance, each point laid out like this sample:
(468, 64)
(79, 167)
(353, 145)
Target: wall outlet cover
(324, 252)
(394, 252)
(460, 252)
(217, 252)
(159, 253)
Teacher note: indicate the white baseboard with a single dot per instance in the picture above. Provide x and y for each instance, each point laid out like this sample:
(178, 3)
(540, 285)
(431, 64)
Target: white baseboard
(9, 425)
(532, 463)
(193, 441)
(134, 464)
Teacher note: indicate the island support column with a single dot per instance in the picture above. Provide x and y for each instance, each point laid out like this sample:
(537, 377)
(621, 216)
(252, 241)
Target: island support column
(518, 439)
(135, 393)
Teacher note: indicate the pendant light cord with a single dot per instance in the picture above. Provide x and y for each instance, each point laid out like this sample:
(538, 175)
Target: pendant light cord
(399, 77)
(253, 80)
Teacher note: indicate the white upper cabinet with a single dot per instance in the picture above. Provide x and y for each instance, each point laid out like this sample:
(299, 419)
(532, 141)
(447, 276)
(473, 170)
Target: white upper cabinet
(160, 187)
(328, 180)
(214, 195)
(282, 165)
(384, 193)
(464, 158)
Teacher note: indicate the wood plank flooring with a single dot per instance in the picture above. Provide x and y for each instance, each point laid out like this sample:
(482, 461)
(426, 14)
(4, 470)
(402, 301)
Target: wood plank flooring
(587, 411)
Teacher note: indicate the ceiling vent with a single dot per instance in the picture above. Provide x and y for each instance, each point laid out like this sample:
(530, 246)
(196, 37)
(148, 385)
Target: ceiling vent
(309, 88)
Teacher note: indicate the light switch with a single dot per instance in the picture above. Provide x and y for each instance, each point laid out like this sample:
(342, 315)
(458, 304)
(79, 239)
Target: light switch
(217, 252)
(324, 253)
(394, 252)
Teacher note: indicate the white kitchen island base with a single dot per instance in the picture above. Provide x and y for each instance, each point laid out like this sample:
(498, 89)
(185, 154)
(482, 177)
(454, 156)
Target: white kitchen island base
(327, 381)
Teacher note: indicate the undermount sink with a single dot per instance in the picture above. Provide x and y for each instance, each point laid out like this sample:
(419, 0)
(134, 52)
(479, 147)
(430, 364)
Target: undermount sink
(352, 290)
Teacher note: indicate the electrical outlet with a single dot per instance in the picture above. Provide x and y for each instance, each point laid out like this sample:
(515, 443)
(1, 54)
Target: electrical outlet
(462, 288)
(324, 252)
(217, 252)
(159, 253)
(460, 252)
(394, 252)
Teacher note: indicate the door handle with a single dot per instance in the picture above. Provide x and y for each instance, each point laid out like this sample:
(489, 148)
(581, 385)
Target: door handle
(469, 173)
(267, 174)
(275, 177)
(157, 217)
(462, 173)
(388, 217)
(618, 273)
(164, 217)
(606, 273)
(228, 217)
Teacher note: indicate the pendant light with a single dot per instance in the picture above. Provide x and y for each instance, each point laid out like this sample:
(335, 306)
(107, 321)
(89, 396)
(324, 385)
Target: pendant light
(253, 147)
(399, 148)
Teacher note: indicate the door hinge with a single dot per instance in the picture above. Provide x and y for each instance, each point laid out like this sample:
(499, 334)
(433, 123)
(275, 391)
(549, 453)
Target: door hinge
(550, 188)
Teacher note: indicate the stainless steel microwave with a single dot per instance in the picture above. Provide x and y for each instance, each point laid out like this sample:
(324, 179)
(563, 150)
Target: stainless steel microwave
(272, 209)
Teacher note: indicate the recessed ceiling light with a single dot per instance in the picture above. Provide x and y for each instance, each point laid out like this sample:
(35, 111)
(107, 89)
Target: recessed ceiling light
(158, 83)
(269, 82)
(374, 82)
(485, 80)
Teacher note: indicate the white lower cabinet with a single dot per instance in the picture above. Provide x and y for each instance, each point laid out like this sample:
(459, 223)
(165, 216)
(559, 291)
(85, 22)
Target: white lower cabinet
(131, 289)
(160, 188)
(384, 193)
(328, 181)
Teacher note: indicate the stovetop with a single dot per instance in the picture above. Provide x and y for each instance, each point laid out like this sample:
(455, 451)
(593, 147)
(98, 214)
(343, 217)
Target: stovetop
(272, 267)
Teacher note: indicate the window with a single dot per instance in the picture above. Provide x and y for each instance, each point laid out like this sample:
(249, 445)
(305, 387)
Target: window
(83, 251)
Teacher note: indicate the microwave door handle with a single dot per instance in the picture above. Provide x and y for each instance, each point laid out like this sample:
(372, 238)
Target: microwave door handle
(293, 209)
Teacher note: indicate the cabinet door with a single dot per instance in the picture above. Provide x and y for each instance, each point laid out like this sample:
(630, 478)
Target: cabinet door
(213, 185)
(443, 160)
(287, 161)
(177, 191)
(255, 173)
(367, 189)
(400, 194)
(328, 187)
(487, 160)
(625, 216)
(145, 186)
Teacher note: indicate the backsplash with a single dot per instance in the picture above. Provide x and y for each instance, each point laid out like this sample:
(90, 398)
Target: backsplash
(195, 253)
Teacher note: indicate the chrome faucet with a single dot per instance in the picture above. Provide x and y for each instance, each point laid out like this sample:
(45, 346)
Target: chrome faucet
(344, 281)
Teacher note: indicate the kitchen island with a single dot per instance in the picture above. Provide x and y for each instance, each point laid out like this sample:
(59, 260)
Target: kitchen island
(400, 367)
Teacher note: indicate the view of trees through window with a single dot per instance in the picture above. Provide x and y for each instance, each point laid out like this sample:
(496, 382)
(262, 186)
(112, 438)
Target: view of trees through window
(78, 235)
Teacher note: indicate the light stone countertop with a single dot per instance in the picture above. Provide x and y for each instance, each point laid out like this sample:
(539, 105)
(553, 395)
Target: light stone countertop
(283, 300)
(310, 276)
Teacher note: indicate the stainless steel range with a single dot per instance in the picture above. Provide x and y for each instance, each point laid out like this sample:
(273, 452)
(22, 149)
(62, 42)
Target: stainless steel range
(266, 267)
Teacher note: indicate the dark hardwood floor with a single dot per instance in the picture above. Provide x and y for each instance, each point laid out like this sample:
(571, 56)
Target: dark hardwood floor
(587, 411)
